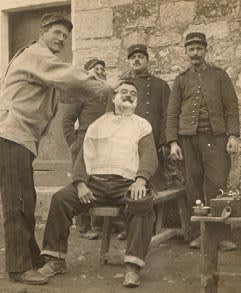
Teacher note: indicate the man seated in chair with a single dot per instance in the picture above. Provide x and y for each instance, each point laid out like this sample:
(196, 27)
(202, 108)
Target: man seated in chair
(119, 158)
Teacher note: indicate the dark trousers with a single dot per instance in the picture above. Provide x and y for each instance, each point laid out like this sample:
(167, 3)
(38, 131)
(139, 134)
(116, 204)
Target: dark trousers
(65, 205)
(18, 203)
(207, 166)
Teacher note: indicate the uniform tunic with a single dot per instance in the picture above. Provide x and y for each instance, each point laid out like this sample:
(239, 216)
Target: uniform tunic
(202, 113)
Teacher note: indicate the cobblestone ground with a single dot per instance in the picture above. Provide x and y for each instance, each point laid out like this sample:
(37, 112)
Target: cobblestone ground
(171, 267)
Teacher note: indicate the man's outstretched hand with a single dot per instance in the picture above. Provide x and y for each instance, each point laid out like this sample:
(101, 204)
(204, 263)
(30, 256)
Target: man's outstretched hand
(138, 189)
(85, 195)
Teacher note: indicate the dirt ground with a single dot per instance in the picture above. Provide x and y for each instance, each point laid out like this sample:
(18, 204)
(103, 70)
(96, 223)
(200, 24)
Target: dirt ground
(171, 267)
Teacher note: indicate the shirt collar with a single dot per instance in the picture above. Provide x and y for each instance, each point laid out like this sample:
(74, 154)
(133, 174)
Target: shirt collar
(203, 67)
(145, 73)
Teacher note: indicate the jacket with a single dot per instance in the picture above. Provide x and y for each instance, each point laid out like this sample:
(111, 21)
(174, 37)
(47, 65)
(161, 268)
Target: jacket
(28, 101)
(214, 86)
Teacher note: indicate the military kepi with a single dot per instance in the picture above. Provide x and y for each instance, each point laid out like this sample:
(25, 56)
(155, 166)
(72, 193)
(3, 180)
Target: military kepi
(195, 37)
(52, 18)
(137, 48)
(92, 62)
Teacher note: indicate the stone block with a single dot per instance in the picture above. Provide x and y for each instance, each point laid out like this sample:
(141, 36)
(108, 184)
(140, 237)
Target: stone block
(176, 14)
(108, 49)
(167, 39)
(95, 4)
(217, 8)
(135, 37)
(111, 3)
(238, 52)
(238, 82)
(86, 4)
(221, 52)
(109, 54)
(93, 23)
(217, 30)
(143, 22)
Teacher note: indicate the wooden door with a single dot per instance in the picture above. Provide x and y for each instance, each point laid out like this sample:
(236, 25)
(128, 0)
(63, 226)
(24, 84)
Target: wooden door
(53, 161)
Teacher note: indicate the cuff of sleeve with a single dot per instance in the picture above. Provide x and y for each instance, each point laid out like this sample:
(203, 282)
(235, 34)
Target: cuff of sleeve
(77, 179)
(143, 174)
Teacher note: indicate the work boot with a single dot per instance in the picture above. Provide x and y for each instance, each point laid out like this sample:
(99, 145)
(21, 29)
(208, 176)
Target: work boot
(226, 245)
(132, 276)
(53, 267)
(196, 243)
(30, 277)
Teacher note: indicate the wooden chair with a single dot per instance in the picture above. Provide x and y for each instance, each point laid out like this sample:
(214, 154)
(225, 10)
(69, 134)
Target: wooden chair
(108, 213)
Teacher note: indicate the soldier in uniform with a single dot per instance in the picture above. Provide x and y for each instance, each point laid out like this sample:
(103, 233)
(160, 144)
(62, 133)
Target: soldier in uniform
(153, 95)
(153, 100)
(203, 125)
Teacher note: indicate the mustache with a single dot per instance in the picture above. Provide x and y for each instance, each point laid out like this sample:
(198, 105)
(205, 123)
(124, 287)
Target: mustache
(60, 43)
(137, 63)
(127, 99)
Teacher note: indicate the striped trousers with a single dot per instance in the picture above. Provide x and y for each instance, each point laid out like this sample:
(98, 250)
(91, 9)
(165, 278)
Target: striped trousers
(18, 203)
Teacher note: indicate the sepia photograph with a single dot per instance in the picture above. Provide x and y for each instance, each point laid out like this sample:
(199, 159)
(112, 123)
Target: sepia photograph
(120, 150)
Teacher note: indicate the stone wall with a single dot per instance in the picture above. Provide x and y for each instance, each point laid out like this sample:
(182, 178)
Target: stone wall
(105, 28)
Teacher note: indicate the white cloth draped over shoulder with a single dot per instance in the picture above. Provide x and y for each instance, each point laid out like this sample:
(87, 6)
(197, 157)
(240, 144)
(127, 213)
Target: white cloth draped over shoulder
(111, 144)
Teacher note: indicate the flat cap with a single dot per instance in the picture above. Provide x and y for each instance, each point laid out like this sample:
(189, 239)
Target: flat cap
(92, 62)
(52, 18)
(195, 37)
(141, 48)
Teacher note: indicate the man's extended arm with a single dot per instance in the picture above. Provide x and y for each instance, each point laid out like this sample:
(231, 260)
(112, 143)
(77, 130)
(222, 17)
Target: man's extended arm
(74, 82)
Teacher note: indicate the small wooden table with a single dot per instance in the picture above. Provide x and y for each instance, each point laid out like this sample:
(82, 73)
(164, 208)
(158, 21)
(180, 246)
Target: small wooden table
(211, 235)
(159, 201)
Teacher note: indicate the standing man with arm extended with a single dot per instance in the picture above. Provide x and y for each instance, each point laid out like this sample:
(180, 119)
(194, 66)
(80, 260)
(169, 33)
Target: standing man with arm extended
(27, 106)
(203, 125)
